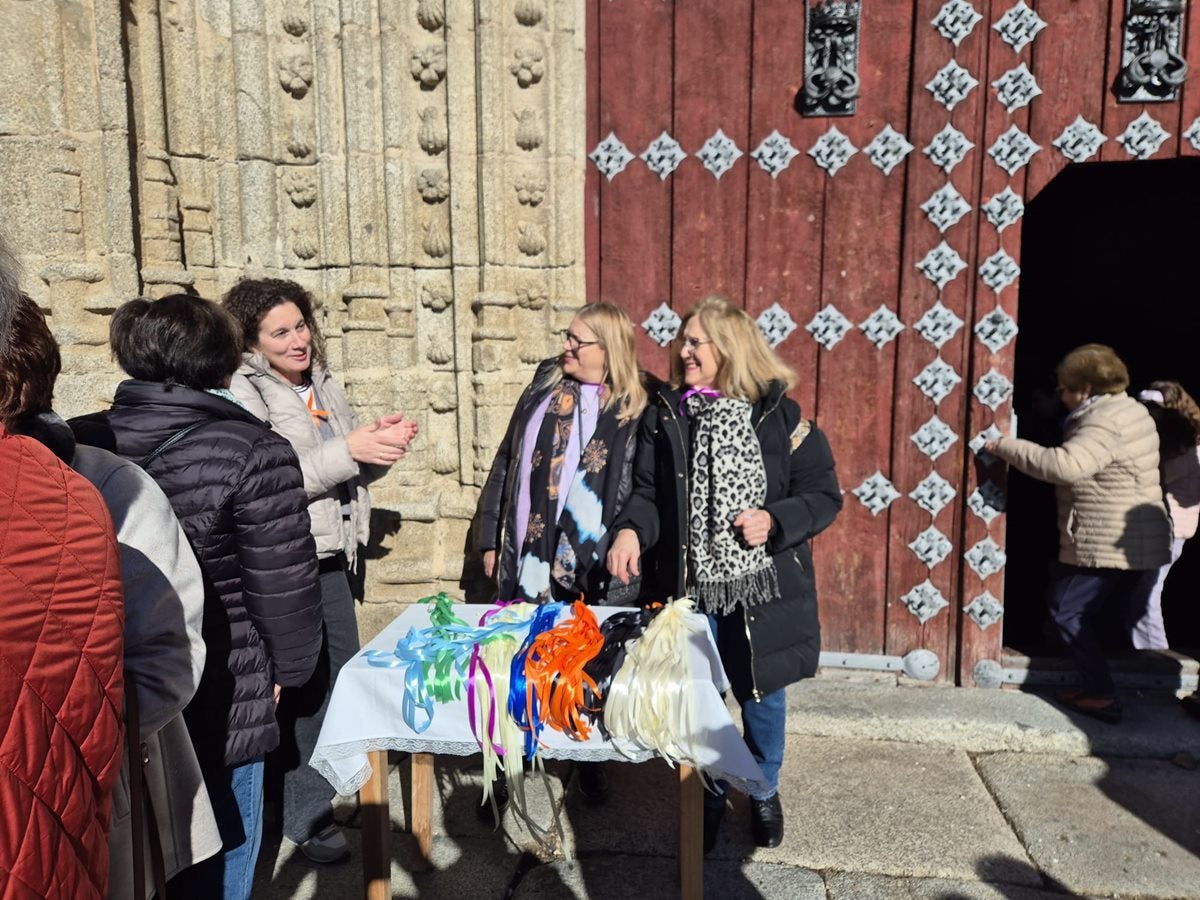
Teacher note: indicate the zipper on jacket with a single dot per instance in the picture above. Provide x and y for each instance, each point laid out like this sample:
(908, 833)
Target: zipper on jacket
(687, 486)
(747, 611)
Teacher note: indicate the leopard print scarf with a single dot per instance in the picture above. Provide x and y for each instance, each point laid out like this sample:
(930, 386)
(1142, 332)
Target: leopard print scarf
(727, 478)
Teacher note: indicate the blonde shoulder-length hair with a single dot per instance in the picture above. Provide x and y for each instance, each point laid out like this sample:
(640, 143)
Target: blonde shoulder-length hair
(625, 391)
(746, 366)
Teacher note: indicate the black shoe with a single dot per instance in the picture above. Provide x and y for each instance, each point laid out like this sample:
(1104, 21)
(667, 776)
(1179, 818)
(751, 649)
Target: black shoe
(1191, 704)
(593, 782)
(499, 794)
(766, 817)
(713, 815)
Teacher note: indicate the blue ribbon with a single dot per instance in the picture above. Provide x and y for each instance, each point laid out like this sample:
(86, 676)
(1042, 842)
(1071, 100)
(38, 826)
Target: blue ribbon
(522, 706)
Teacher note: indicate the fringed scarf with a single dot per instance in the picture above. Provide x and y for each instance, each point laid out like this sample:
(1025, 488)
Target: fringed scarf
(727, 478)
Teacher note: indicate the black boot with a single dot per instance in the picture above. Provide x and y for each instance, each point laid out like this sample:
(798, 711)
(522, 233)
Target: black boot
(713, 815)
(593, 782)
(766, 817)
(499, 794)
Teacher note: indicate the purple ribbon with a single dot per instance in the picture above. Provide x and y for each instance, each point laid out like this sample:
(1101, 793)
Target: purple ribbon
(711, 393)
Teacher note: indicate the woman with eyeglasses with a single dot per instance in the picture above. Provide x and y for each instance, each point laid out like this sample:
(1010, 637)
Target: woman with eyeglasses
(562, 474)
(730, 485)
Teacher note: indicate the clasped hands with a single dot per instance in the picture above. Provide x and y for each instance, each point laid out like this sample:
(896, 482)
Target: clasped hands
(625, 550)
(383, 441)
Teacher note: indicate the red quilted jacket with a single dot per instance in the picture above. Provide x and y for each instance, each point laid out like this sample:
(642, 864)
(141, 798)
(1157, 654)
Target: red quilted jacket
(61, 652)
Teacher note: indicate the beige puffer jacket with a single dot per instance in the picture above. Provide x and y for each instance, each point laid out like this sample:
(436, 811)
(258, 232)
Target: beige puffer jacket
(1110, 502)
(325, 464)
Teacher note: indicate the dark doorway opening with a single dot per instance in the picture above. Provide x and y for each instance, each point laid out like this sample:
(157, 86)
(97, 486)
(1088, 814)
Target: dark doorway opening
(1110, 253)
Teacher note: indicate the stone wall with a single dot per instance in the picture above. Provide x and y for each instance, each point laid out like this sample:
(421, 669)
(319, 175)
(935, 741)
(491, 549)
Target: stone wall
(417, 164)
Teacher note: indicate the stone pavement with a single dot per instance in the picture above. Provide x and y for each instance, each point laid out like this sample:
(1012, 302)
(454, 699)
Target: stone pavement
(921, 793)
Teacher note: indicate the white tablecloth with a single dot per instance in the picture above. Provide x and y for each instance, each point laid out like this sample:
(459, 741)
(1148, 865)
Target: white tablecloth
(365, 714)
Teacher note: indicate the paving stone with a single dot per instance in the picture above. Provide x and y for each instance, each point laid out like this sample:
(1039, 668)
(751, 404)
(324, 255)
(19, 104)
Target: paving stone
(847, 886)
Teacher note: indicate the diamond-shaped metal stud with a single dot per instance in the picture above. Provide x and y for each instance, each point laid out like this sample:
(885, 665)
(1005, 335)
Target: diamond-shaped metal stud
(718, 154)
(828, 327)
(611, 156)
(1019, 26)
(996, 329)
(937, 380)
(946, 207)
(832, 150)
(1004, 209)
(938, 325)
(876, 493)
(999, 270)
(986, 558)
(992, 389)
(933, 493)
(1142, 137)
(941, 265)
(948, 148)
(951, 85)
(956, 20)
(663, 156)
(662, 325)
(931, 546)
(1080, 140)
(977, 443)
(987, 501)
(985, 610)
(1013, 150)
(1193, 133)
(934, 438)
(887, 149)
(774, 154)
(775, 324)
(1016, 88)
(881, 327)
(924, 601)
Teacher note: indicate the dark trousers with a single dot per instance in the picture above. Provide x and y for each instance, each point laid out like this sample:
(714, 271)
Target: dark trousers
(307, 797)
(1080, 602)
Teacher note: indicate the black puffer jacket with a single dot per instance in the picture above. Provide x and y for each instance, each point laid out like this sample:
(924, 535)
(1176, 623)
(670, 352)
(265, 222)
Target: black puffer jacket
(237, 490)
(779, 642)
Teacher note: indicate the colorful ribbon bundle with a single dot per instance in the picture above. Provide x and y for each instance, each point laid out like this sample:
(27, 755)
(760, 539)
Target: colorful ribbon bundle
(618, 630)
(555, 669)
(523, 704)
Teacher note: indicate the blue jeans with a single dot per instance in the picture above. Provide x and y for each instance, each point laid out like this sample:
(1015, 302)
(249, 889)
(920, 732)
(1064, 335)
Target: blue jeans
(764, 724)
(237, 804)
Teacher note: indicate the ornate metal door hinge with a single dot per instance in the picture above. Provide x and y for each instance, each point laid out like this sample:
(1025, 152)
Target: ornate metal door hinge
(831, 45)
(1152, 64)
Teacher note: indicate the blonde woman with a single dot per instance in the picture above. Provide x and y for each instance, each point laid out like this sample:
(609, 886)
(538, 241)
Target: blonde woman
(730, 484)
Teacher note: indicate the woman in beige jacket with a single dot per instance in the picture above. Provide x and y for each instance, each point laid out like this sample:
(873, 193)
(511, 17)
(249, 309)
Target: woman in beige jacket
(1114, 532)
(284, 381)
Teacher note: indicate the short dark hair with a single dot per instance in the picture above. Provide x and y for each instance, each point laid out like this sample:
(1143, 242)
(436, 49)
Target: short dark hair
(180, 339)
(29, 363)
(251, 299)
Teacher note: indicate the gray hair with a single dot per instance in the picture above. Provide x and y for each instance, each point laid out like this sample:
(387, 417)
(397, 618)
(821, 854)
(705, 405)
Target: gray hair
(10, 290)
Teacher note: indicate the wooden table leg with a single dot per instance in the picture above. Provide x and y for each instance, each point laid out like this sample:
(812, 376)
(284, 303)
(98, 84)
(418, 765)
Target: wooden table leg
(376, 821)
(422, 803)
(691, 834)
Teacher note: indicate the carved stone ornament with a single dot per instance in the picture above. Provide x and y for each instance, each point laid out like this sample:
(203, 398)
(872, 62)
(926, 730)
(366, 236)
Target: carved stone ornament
(993, 389)
(876, 493)
(934, 438)
(933, 493)
(529, 132)
(881, 327)
(986, 558)
(528, 66)
(938, 325)
(296, 74)
(945, 208)
(831, 47)
(718, 154)
(924, 601)
(435, 298)
(977, 443)
(832, 150)
(1012, 150)
(532, 296)
(433, 185)
(1142, 137)
(1016, 88)
(985, 610)
(663, 156)
(774, 154)
(951, 85)
(999, 270)
(996, 329)
(529, 12)
(530, 239)
(1019, 26)
(611, 156)
(531, 189)
(431, 14)
(775, 324)
(948, 148)
(301, 186)
(662, 325)
(887, 149)
(931, 546)
(436, 242)
(304, 245)
(1152, 65)
(293, 20)
(956, 20)
(1193, 134)
(987, 501)
(828, 327)
(937, 380)
(428, 65)
(941, 265)
(1004, 209)
(432, 134)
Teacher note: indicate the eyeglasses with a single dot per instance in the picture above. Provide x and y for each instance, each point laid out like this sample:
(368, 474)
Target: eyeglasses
(693, 344)
(573, 342)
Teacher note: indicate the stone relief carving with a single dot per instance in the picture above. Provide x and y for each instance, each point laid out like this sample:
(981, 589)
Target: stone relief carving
(433, 185)
(437, 242)
(529, 12)
(528, 66)
(301, 186)
(531, 189)
(431, 14)
(531, 241)
(428, 65)
(529, 131)
(296, 74)
(432, 134)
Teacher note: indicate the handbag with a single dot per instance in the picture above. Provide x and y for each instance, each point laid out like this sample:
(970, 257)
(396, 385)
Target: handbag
(141, 809)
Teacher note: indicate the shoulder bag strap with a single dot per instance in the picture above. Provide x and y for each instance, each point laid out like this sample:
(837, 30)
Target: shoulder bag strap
(143, 822)
(168, 444)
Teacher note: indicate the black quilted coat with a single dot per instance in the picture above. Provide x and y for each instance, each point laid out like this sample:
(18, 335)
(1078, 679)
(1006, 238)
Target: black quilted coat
(237, 490)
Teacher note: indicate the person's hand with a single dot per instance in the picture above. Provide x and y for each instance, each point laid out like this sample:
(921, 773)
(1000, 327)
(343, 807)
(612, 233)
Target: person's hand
(278, 691)
(382, 442)
(755, 525)
(992, 446)
(489, 563)
(399, 429)
(623, 556)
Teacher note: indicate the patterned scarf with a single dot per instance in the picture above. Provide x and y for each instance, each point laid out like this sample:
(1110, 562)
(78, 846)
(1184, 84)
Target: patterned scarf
(559, 550)
(727, 477)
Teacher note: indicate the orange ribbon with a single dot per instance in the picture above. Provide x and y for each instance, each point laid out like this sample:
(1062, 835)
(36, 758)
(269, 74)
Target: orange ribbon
(554, 671)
